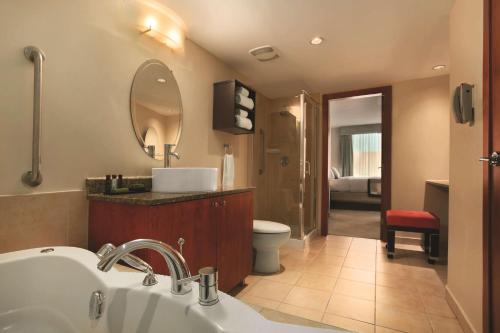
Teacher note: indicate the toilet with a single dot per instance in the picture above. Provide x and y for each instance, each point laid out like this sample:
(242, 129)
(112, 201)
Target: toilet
(268, 237)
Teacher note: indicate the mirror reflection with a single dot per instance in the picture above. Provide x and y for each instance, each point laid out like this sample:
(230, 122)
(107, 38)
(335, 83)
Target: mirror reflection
(156, 108)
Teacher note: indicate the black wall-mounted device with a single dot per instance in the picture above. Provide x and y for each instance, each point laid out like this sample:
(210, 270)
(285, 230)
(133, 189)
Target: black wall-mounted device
(462, 103)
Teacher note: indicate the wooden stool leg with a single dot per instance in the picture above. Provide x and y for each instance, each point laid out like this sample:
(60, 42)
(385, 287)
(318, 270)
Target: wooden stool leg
(434, 255)
(426, 242)
(391, 242)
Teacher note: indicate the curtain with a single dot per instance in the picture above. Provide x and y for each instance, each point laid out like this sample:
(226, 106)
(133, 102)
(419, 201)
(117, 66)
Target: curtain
(346, 154)
(367, 155)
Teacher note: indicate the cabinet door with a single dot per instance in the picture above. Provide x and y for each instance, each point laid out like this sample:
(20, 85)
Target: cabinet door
(117, 224)
(191, 221)
(234, 218)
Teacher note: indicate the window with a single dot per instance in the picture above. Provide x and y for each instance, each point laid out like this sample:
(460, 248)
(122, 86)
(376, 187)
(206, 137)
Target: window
(367, 155)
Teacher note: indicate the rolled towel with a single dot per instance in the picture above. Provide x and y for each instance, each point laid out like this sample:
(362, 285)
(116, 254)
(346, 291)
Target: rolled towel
(242, 113)
(243, 122)
(245, 101)
(243, 91)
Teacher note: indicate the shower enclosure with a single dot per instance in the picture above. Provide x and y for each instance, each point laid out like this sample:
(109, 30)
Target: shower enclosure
(288, 164)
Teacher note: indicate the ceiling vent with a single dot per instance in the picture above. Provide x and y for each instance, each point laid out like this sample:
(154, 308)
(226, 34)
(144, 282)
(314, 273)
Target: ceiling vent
(264, 53)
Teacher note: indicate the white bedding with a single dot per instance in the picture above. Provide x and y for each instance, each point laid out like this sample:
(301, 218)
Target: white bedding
(350, 184)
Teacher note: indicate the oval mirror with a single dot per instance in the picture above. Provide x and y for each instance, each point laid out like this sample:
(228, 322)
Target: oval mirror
(156, 108)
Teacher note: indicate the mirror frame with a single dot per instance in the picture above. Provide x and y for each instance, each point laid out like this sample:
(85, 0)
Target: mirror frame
(133, 110)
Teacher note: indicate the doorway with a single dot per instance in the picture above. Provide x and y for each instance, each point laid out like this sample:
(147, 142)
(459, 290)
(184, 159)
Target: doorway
(362, 186)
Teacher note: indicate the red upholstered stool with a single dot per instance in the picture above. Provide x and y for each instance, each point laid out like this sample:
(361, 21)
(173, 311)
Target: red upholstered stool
(413, 221)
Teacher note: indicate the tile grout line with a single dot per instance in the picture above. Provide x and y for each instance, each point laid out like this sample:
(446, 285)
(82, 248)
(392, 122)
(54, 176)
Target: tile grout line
(335, 284)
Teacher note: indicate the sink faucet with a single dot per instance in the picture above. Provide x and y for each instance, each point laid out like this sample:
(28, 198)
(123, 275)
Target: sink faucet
(179, 270)
(167, 162)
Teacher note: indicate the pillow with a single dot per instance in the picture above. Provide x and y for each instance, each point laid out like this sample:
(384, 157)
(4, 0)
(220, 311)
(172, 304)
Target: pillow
(331, 174)
(336, 173)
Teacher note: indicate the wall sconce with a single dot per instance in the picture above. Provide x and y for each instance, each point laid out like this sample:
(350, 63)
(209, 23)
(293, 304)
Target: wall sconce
(173, 38)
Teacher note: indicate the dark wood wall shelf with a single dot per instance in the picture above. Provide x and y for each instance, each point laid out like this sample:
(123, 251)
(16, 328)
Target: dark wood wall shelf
(225, 107)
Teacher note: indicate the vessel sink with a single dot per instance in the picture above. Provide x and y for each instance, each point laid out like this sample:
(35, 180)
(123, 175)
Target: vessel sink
(178, 180)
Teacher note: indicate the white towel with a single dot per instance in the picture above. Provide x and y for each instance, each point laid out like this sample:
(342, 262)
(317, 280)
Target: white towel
(243, 122)
(228, 171)
(242, 91)
(242, 113)
(245, 101)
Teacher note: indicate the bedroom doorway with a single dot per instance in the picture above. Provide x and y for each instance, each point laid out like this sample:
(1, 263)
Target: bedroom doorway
(356, 162)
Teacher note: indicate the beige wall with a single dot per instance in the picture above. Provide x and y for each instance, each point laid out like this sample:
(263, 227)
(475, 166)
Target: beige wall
(93, 50)
(465, 270)
(420, 138)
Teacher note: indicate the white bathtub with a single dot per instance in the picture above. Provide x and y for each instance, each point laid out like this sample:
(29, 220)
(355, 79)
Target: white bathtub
(50, 292)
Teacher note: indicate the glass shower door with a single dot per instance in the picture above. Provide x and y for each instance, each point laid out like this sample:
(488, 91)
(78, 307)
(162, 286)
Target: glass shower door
(291, 164)
(310, 154)
(283, 155)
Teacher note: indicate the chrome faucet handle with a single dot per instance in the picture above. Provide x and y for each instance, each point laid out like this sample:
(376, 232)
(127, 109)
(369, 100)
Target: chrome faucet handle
(181, 242)
(208, 286)
(208, 278)
(133, 261)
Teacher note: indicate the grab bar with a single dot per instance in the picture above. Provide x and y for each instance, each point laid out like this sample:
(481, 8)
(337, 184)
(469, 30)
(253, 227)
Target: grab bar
(34, 177)
(262, 152)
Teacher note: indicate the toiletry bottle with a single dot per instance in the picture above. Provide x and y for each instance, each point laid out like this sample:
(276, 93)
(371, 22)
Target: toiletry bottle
(114, 182)
(120, 181)
(107, 185)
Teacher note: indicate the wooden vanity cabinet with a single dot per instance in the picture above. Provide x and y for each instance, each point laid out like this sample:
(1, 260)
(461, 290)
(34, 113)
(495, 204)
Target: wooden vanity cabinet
(191, 221)
(234, 216)
(217, 232)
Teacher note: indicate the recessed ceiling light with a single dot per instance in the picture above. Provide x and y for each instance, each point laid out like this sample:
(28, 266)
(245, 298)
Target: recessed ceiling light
(161, 80)
(316, 40)
(439, 67)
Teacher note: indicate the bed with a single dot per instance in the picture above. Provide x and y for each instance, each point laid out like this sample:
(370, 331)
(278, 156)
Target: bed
(358, 193)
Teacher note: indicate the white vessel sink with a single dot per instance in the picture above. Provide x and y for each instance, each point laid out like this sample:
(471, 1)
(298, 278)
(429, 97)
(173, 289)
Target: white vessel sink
(178, 180)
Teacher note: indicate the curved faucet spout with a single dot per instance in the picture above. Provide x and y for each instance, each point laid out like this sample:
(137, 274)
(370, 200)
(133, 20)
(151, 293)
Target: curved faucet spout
(179, 270)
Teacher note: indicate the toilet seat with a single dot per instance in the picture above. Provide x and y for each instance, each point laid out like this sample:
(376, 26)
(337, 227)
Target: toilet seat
(268, 227)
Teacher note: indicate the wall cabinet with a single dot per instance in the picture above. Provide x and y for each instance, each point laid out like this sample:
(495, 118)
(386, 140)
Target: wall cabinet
(217, 232)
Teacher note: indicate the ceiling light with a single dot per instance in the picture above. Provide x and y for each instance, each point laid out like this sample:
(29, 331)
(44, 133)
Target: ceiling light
(439, 67)
(161, 80)
(316, 40)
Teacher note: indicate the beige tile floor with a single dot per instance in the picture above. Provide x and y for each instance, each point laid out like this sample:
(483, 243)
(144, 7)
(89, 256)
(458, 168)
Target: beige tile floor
(349, 283)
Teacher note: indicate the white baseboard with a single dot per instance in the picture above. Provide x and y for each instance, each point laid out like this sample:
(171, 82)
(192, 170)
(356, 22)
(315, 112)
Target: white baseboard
(459, 312)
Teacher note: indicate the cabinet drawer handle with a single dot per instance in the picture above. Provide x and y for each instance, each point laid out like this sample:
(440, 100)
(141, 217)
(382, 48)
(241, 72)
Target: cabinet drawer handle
(181, 242)
(224, 202)
(216, 204)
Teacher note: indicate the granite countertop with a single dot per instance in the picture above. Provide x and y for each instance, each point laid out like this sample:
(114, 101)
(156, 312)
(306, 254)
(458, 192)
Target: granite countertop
(157, 198)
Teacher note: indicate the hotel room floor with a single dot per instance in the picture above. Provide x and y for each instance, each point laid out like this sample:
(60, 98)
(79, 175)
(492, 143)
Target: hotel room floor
(349, 283)
(354, 223)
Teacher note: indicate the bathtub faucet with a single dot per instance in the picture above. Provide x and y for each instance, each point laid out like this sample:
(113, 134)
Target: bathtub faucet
(176, 264)
(179, 270)
(133, 261)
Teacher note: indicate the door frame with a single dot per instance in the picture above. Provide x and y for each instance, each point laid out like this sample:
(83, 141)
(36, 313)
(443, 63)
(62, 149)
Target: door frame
(386, 92)
(490, 33)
